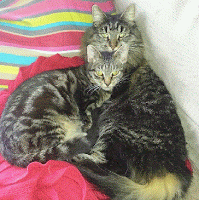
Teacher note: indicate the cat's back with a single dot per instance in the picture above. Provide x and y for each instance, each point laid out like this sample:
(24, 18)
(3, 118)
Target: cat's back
(41, 117)
(147, 108)
(49, 89)
(153, 105)
(145, 119)
(147, 89)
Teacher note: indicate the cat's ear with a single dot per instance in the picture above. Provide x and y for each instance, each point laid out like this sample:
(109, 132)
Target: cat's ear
(98, 15)
(122, 53)
(92, 54)
(129, 14)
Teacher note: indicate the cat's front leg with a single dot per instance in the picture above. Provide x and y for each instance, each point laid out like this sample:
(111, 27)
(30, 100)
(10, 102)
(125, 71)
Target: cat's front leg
(87, 118)
(96, 155)
(87, 122)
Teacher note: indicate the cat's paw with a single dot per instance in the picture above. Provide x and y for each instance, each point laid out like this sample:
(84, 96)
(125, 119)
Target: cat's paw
(97, 158)
(81, 157)
(86, 127)
(87, 123)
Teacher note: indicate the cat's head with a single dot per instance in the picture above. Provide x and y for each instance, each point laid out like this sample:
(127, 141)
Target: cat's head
(105, 69)
(113, 30)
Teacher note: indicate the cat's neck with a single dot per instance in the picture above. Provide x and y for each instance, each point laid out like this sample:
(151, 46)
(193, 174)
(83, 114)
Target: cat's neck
(140, 73)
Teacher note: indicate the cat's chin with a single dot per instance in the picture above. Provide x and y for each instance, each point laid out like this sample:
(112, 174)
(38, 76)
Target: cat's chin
(107, 89)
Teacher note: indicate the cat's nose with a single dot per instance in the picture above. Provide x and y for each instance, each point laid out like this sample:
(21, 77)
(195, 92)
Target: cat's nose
(113, 44)
(107, 81)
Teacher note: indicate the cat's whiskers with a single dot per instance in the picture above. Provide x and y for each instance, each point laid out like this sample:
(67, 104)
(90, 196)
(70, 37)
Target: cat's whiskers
(137, 44)
(95, 88)
(91, 89)
(125, 78)
(134, 49)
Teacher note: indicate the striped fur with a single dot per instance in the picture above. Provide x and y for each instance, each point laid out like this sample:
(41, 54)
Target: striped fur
(109, 32)
(141, 150)
(165, 187)
(47, 116)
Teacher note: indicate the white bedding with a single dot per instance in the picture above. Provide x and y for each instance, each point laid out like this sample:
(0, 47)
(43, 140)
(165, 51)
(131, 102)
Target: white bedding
(170, 30)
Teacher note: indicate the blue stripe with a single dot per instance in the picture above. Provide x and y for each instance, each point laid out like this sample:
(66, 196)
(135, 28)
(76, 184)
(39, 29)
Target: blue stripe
(29, 28)
(2, 1)
(17, 60)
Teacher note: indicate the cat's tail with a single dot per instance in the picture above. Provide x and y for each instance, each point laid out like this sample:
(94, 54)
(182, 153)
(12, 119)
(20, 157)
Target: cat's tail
(167, 187)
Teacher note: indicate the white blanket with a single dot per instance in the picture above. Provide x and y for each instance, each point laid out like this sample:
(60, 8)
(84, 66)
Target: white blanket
(170, 30)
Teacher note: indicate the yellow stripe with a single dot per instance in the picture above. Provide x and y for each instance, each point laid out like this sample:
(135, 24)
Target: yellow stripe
(9, 69)
(21, 3)
(17, 4)
(4, 86)
(52, 18)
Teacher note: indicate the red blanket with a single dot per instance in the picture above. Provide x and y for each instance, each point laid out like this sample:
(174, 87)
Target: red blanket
(55, 180)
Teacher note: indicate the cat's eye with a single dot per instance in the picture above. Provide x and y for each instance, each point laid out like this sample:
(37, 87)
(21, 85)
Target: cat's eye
(104, 35)
(106, 29)
(99, 73)
(115, 73)
(121, 35)
(121, 29)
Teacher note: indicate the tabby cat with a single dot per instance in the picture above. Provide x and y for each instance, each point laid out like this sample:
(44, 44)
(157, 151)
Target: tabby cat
(141, 150)
(109, 32)
(47, 116)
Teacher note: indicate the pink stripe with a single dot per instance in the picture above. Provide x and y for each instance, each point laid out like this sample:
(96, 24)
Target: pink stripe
(51, 5)
(66, 38)
(53, 49)
(4, 81)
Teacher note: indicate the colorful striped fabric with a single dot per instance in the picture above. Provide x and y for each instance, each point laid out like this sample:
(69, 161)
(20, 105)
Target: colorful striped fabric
(32, 28)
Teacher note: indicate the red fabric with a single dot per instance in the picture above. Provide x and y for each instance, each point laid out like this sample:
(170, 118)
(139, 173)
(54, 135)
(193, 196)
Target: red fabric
(188, 165)
(68, 37)
(55, 180)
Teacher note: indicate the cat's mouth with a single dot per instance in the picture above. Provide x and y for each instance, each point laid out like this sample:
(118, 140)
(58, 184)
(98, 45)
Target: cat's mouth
(107, 88)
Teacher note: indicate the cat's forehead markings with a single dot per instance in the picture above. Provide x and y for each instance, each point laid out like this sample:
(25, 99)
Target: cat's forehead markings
(116, 24)
(113, 21)
(112, 25)
(107, 55)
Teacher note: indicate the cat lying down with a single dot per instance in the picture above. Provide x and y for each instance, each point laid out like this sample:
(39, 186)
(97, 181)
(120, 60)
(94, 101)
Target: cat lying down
(141, 150)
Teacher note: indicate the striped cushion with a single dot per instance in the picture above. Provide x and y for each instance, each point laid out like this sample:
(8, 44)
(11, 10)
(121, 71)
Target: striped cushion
(33, 28)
